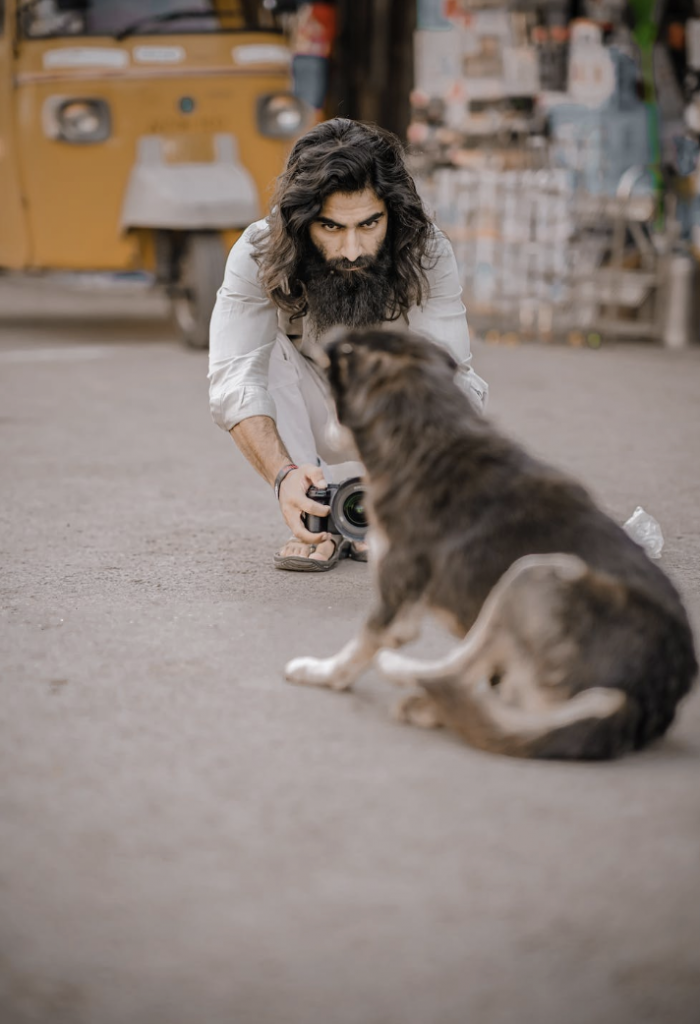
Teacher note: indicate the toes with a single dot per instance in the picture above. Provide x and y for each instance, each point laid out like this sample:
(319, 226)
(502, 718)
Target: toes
(323, 551)
(295, 547)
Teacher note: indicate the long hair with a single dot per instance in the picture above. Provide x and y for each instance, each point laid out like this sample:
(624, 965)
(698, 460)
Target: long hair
(344, 156)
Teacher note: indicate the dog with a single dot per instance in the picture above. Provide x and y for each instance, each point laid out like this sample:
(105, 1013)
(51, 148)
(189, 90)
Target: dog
(574, 644)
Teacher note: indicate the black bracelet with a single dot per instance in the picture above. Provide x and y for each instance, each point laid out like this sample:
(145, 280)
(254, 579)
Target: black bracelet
(281, 475)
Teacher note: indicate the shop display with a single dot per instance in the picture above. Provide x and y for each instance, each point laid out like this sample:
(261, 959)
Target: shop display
(560, 154)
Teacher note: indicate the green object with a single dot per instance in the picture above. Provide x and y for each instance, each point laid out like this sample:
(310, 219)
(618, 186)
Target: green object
(645, 30)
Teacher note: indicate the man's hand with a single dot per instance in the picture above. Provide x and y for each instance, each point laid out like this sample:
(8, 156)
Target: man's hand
(294, 501)
(262, 446)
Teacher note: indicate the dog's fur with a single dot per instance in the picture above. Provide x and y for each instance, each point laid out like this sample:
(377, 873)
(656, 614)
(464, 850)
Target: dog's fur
(576, 644)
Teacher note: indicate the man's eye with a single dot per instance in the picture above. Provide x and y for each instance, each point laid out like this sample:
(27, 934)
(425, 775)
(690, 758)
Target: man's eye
(372, 224)
(331, 227)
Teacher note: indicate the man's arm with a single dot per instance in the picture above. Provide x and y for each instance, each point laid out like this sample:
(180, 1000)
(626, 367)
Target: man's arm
(258, 440)
(242, 336)
(444, 318)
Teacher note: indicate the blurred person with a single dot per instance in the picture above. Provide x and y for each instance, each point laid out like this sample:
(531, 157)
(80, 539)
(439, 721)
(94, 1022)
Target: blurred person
(315, 30)
(348, 243)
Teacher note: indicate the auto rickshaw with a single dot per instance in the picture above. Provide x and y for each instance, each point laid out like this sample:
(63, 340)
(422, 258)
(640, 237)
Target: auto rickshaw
(141, 135)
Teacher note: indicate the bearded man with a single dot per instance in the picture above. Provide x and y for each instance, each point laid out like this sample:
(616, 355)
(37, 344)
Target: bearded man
(347, 243)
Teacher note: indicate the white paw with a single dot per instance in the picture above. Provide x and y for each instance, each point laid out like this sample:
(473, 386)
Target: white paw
(314, 672)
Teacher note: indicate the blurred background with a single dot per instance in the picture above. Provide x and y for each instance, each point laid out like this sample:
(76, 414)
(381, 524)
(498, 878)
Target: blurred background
(555, 141)
(184, 837)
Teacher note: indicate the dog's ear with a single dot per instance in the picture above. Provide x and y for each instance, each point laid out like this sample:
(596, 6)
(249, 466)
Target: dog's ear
(339, 353)
(450, 360)
(337, 342)
(438, 352)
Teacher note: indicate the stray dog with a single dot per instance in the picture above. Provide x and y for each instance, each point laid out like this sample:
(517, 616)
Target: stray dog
(575, 644)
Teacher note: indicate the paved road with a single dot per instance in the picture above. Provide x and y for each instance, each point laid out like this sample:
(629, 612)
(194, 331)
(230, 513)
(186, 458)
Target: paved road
(186, 839)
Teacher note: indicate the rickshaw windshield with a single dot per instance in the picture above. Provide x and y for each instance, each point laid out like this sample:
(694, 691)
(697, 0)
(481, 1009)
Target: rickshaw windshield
(41, 19)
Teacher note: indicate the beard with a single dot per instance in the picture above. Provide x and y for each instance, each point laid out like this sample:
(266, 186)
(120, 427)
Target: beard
(340, 293)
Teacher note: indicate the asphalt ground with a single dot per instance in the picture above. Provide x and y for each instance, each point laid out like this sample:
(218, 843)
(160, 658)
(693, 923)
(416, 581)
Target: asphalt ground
(184, 837)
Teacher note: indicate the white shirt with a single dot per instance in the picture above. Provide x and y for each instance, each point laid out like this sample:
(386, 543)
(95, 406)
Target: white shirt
(245, 323)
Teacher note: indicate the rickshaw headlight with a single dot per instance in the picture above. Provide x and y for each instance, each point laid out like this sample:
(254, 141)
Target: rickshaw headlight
(82, 120)
(281, 116)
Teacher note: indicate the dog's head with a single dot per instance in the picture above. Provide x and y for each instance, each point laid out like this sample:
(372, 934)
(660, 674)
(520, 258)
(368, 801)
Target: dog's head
(372, 368)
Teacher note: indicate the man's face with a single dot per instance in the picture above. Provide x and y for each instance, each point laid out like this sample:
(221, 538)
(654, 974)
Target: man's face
(350, 225)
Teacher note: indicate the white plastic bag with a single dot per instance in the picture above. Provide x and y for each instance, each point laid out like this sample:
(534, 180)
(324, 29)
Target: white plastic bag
(645, 530)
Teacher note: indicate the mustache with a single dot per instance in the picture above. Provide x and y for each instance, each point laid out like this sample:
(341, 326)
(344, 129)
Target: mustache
(316, 265)
(343, 264)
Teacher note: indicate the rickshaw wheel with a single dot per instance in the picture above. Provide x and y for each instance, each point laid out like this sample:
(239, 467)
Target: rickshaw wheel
(201, 271)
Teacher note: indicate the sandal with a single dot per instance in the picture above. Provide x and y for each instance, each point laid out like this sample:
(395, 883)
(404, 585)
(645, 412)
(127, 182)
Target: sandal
(300, 563)
(355, 555)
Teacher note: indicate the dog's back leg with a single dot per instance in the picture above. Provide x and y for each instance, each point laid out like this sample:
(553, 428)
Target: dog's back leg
(501, 689)
(476, 644)
(472, 655)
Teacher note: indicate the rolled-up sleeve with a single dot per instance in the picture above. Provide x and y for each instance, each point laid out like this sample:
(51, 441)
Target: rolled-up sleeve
(443, 317)
(241, 337)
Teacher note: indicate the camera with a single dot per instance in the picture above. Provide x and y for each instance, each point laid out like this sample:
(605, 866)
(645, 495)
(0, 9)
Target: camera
(347, 516)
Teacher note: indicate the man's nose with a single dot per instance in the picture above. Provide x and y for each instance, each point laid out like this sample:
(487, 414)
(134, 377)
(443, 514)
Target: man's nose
(351, 247)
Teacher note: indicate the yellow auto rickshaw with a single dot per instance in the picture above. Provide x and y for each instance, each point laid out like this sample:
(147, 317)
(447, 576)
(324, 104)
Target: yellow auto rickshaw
(141, 135)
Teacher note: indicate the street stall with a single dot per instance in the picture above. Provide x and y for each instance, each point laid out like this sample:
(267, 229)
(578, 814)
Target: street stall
(556, 144)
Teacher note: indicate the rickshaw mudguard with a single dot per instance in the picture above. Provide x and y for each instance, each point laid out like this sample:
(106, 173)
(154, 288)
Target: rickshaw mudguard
(189, 196)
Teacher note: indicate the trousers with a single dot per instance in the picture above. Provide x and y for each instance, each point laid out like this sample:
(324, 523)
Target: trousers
(306, 417)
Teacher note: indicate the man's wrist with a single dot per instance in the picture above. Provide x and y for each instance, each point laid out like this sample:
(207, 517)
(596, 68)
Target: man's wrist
(282, 475)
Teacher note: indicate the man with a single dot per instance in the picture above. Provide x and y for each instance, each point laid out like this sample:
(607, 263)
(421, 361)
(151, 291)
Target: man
(347, 243)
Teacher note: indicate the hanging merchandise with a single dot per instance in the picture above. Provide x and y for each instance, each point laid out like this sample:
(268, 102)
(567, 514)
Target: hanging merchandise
(537, 146)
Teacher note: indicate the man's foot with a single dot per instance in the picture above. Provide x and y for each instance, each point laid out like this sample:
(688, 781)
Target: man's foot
(299, 557)
(321, 552)
(358, 551)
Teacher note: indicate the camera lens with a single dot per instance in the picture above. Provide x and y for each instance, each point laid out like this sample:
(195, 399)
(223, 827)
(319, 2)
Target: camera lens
(354, 510)
(349, 509)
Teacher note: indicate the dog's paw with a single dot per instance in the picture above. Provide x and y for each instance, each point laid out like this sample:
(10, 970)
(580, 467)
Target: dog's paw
(397, 667)
(315, 672)
(418, 709)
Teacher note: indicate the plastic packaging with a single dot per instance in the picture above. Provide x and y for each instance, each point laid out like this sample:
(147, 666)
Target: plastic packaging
(645, 530)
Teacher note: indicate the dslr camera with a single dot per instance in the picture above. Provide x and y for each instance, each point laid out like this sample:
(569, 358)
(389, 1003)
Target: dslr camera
(347, 515)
